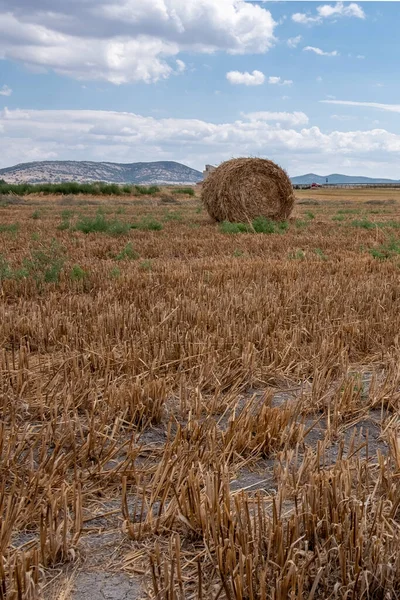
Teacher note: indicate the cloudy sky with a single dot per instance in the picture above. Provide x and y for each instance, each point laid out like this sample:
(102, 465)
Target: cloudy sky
(314, 86)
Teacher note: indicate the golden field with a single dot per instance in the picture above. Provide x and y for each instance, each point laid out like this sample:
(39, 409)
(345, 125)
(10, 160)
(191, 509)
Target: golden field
(206, 414)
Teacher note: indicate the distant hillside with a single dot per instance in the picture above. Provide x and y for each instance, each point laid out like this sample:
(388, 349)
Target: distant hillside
(337, 178)
(164, 172)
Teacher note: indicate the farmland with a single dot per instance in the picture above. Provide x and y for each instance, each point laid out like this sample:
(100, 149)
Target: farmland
(189, 412)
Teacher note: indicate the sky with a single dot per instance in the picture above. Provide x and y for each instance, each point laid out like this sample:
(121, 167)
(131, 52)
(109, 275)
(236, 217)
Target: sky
(314, 86)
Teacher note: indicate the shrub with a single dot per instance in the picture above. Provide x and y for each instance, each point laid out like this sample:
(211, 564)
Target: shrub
(45, 266)
(146, 191)
(264, 225)
(146, 265)
(9, 228)
(148, 224)
(173, 216)
(115, 273)
(5, 269)
(385, 251)
(100, 224)
(65, 224)
(77, 273)
(320, 254)
(259, 225)
(188, 191)
(298, 255)
(127, 253)
(228, 227)
(363, 224)
(69, 188)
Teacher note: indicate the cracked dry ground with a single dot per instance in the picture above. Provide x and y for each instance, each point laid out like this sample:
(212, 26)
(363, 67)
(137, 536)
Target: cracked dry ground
(193, 414)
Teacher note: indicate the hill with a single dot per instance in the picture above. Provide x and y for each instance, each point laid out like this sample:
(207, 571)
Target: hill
(337, 178)
(163, 172)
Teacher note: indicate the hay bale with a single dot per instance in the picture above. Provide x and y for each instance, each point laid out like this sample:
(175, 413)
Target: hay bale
(242, 189)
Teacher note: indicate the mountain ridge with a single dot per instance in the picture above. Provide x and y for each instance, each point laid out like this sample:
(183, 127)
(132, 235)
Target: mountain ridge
(160, 172)
(145, 173)
(337, 178)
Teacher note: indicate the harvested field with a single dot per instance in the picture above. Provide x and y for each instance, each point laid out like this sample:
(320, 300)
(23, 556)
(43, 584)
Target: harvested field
(193, 414)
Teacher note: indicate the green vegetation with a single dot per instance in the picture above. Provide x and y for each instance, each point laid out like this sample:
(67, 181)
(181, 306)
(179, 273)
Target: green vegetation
(45, 265)
(387, 250)
(77, 273)
(310, 215)
(187, 191)
(5, 269)
(146, 265)
(258, 225)
(364, 224)
(173, 216)
(238, 253)
(339, 218)
(127, 253)
(348, 211)
(148, 224)
(100, 224)
(72, 187)
(145, 191)
(301, 224)
(320, 254)
(65, 224)
(36, 215)
(228, 227)
(9, 228)
(298, 255)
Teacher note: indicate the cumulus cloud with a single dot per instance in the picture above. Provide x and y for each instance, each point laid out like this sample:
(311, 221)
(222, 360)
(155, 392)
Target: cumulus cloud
(305, 19)
(341, 10)
(320, 52)
(279, 81)
(127, 40)
(238, 78)
(294, 118)
(128, 137)
(294, 41)
(388, 107)
(328, 10)
(5, 91)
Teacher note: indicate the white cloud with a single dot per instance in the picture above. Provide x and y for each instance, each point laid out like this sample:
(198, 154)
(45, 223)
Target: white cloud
(319, 79)
(328, 10)
(294, 41)
(181, 67)
(342, 117)
(127, 40)
(279, 81)
(360, 56)
(5, 91)
(388, 107)
(341, 10)
(127, 137)
(238, 78)
(320, 52)
(304, 19)
(294, 118)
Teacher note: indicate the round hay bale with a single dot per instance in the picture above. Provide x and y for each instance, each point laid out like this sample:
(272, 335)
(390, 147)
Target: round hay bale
(243, 189)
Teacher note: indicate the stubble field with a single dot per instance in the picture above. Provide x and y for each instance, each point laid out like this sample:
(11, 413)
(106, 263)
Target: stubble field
(191, 413)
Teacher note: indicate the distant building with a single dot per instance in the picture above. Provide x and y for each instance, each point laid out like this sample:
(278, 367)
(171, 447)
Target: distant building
(209, 169)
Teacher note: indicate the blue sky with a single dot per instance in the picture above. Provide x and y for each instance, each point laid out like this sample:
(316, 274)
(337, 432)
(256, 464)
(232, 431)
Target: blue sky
(312, 85)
